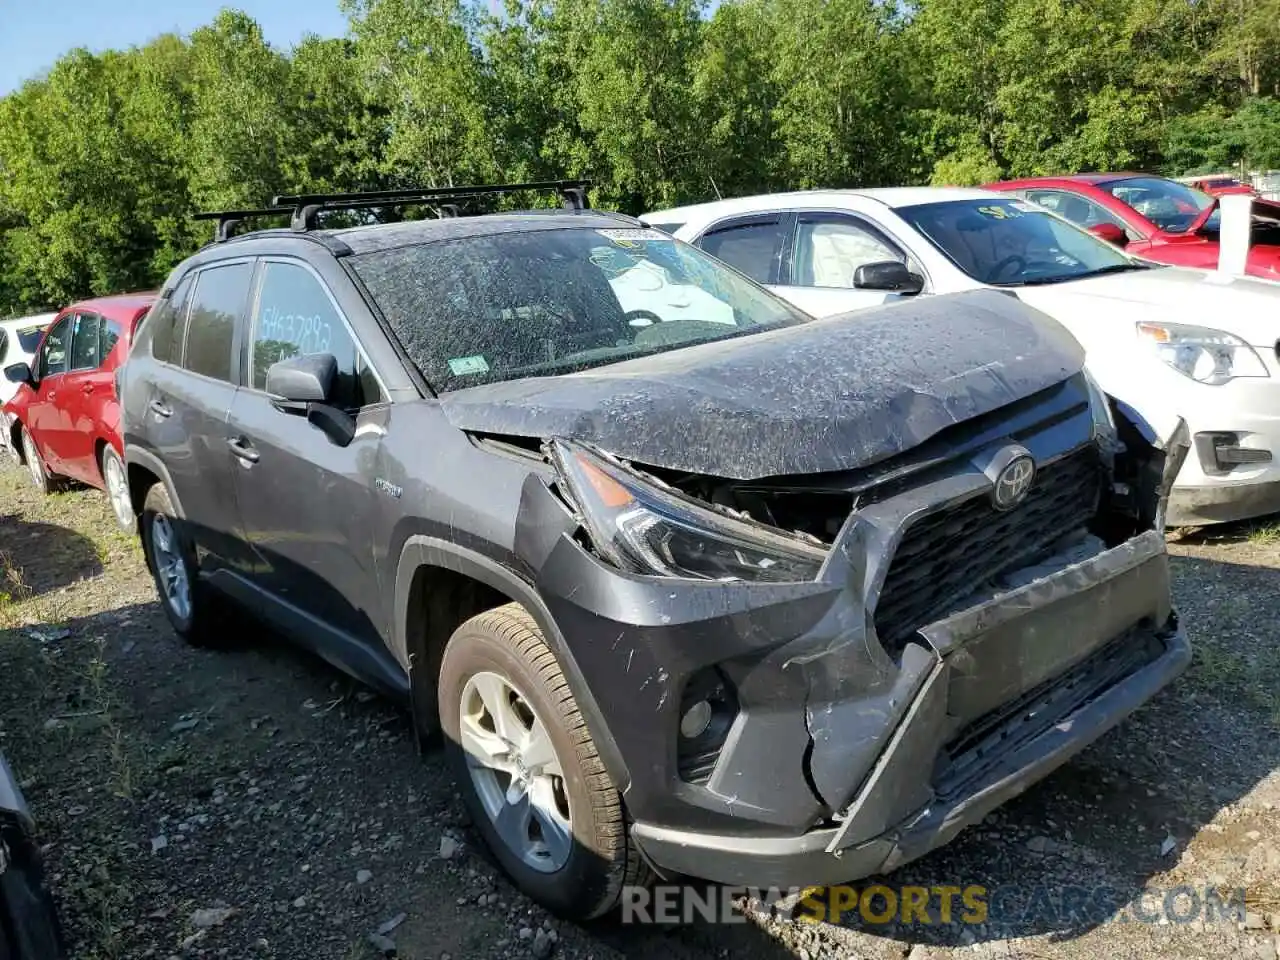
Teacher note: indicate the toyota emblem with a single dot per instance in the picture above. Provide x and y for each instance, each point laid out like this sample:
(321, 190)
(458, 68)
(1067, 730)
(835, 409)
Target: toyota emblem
(1013, 483)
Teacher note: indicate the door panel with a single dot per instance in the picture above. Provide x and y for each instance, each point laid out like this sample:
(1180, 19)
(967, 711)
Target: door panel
(187, 412)
(304, 500)
(77, 403)
(43, 417)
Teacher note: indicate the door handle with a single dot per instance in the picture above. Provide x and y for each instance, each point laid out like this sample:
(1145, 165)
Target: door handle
(87, 388)
(243, 449)
(160, 409)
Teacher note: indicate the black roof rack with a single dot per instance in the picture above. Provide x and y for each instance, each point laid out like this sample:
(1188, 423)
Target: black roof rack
(228, 220)
(302, 208)
(573, 195)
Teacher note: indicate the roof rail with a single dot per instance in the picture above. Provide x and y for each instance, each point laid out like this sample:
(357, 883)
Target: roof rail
(228, 220)
(573, 195)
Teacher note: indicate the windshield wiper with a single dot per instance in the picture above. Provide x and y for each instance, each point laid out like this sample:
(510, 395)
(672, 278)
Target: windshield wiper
(1101, 271)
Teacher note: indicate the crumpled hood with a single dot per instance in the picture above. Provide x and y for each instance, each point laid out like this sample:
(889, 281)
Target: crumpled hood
(829, 395)
(1245, 306)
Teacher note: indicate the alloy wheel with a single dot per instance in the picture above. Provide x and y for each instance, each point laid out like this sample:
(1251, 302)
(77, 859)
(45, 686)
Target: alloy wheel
(171, 568)
(516, 771)
(117, 489)
(33, 459)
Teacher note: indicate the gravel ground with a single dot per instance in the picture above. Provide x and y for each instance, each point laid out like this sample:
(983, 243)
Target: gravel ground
(253, 803)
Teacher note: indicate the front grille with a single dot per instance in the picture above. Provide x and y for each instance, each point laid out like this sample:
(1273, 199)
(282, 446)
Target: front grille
(948, 554)
(978, 749)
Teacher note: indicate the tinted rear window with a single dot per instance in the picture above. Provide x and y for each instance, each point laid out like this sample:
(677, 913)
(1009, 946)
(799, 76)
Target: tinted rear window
(218, 301)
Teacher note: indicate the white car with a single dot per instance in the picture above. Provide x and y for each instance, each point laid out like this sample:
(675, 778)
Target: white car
(18, 340)
(1167, 341)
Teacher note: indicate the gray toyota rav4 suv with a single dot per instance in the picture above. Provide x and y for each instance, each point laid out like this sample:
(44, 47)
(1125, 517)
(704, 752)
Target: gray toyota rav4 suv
(691, 583)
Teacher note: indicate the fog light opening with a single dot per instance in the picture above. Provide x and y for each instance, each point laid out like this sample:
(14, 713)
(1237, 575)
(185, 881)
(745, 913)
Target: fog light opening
(695, 721)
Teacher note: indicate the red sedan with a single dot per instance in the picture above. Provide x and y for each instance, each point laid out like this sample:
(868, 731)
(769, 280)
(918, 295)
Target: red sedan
(66, 417)
(1152, 217)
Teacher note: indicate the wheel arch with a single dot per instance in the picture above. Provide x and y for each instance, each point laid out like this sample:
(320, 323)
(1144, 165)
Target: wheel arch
(428, 562)
(143, 470)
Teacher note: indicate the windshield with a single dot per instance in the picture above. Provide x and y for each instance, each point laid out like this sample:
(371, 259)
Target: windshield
(547, 302)
(1171, 206)
(1011, 243)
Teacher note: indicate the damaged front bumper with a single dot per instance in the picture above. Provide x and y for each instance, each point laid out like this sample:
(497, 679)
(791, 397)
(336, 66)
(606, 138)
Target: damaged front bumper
(765, 733)
(1061, 669)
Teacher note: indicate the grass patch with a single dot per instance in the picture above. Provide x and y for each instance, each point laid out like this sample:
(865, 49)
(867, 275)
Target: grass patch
(1265, 534)
(1235, 678)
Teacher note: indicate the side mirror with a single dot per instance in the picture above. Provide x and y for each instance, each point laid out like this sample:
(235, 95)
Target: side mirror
(304, 385)
(19, 373)
(306, 379)
(891, 275)
(1110, 232)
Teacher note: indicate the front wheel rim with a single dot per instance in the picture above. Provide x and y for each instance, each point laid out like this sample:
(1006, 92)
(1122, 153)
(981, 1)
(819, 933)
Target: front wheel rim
(33, 458)
(516, 771)
(171, 568)
(118, 491)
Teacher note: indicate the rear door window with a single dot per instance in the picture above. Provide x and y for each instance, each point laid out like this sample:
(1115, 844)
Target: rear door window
(218, 302)
(86, 342)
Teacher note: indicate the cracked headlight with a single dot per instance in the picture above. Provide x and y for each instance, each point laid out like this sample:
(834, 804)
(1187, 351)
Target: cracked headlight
(639, 527)
(1201, 353)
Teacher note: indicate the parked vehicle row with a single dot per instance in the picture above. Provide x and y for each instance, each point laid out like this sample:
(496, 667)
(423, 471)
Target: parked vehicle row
(19, 338)
(735, 558)
(66, 423)
(1168, 342)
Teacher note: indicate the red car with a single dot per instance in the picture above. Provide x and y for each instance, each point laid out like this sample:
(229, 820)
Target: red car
(66, 417)
(1152, 217)
(1218, 185)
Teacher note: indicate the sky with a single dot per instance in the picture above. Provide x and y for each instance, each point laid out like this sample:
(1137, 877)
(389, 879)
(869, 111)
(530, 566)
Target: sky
(35, 33)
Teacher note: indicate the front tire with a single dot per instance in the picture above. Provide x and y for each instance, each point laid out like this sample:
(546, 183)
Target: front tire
(196, 614)
(528, 769)
(40, 477)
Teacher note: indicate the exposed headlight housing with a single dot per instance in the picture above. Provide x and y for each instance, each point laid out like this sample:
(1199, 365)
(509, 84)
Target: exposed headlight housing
(1201, 353)
(1104, 423)
(639, 527)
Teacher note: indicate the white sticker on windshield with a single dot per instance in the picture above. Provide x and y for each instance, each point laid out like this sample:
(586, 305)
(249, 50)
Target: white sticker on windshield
(633, 238)
(461, 366)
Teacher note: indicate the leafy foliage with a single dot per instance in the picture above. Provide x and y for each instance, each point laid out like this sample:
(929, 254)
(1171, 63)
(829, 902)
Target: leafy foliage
(104, 159)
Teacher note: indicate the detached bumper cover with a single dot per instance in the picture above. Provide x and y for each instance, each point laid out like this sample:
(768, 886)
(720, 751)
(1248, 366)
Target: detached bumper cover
(29, 927)
(1019, 685)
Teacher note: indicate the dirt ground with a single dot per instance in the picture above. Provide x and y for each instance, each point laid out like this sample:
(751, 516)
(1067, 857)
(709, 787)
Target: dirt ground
(254, 803)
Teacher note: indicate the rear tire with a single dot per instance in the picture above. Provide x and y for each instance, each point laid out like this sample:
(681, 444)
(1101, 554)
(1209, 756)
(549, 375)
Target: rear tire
(571, 851)
(41, 479)
(195, 611)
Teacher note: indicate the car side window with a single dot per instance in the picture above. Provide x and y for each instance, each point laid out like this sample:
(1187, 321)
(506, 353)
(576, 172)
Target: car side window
(1081, 211)
(167, 321)
(110, 332)
(294, 317)
(86, 342)
(830, 249)
(752, 248)
(216, 304)
(53, 352)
